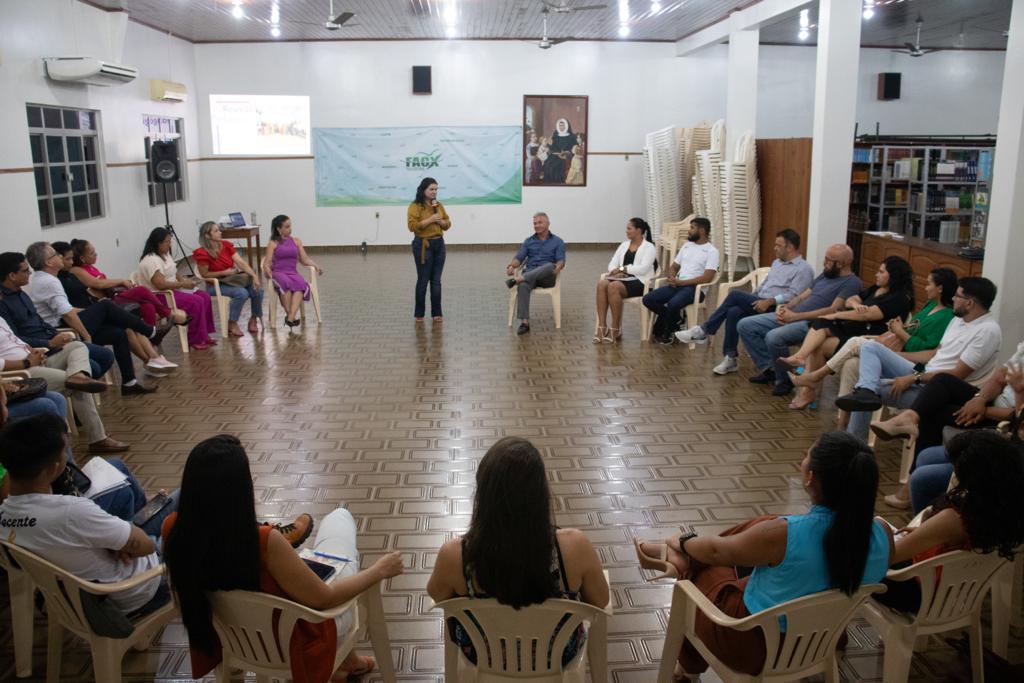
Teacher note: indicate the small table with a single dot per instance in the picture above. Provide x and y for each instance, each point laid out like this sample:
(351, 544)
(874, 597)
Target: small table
(248, 232)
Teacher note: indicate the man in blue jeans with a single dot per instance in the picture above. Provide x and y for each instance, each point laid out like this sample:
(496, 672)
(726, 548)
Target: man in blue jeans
(768, 336)
(789, 275)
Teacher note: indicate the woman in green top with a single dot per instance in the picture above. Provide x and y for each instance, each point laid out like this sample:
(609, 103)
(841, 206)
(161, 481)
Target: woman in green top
(922, 333)
(428, 221)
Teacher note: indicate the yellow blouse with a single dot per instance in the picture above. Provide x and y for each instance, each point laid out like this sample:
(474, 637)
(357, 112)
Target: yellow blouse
(418, 213)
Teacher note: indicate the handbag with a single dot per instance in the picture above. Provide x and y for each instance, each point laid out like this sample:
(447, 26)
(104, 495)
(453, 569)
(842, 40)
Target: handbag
(28, 389)
(237, 280)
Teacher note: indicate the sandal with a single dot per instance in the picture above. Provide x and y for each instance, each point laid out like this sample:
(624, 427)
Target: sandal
(438, 319)
(796, 403)
(661, 563)
(599, 335)
(254, 325)
(613, 335)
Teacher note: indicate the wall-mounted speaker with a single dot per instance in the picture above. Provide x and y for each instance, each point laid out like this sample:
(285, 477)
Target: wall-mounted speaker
(163, 159)
(421, 80)
(889, 86)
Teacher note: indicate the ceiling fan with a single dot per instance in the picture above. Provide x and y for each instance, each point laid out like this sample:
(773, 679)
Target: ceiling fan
(334, 21)
(566, 9)
(914, 49)
(546, 43)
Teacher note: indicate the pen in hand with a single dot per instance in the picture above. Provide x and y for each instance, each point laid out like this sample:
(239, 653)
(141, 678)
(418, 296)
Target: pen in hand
(339, 558)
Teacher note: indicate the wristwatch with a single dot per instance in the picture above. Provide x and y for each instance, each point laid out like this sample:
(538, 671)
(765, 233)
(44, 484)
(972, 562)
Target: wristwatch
(917, 376)
(683, 539)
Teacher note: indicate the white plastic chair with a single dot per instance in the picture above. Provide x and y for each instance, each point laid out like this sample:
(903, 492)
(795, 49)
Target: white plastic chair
(671, 239)
(754, 279)
(645, 313)
(525, 643)
(691, 312)
(21, 589)
(314, 295)
(950, 600)
(223, 303)
(554, 292)
(814, 624)
(63, 593)
(249, 624)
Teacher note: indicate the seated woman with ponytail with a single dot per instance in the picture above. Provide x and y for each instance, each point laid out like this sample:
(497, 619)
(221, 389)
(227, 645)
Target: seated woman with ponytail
(629, 272)
(770, 560)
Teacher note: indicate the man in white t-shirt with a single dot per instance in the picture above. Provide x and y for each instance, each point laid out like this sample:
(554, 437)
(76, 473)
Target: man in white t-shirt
(968, 350)
(73, 532)
(695, 264)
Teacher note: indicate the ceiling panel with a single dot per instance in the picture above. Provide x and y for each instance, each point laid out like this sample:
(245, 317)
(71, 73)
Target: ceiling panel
(981, 22)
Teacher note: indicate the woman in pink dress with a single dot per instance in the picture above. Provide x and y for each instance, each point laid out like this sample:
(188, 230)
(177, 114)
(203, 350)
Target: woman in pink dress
(151, 307)
(284, 253)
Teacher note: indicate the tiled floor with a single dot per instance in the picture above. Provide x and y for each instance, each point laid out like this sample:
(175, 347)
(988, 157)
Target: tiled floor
(388, 419)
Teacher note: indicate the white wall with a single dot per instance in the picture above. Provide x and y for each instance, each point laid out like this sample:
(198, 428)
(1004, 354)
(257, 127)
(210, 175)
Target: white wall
(32, 30)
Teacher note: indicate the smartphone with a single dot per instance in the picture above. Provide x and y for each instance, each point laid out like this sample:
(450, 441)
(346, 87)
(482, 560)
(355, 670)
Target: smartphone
(324, 571)
(150, 509)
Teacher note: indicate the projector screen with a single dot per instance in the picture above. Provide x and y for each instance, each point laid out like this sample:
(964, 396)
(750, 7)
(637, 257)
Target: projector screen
(260, 124)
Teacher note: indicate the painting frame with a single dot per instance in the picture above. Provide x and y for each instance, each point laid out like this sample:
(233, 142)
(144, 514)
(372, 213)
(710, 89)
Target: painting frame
(546, 141)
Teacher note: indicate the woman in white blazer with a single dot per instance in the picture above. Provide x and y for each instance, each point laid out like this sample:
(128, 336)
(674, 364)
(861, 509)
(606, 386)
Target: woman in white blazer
(629, 271)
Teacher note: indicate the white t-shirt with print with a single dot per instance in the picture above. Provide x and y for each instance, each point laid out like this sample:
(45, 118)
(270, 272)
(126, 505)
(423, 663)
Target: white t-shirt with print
(78, 536)
(975, 343)
(694, 259)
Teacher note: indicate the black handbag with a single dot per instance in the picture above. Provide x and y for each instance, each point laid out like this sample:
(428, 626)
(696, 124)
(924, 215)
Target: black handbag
(28, 389)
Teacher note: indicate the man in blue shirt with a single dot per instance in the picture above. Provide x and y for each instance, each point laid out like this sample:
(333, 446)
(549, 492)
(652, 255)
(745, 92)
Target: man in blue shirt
(543, 257)
(768, 336)
(789, 275)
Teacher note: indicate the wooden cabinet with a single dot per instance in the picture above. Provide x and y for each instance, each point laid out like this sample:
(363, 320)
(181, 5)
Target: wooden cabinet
(784, 169)
(924, 256)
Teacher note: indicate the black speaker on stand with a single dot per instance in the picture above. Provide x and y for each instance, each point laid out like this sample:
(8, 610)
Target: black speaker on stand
(166, 168)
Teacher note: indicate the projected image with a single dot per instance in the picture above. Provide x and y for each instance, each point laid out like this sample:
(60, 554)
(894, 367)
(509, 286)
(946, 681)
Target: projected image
(260, 124)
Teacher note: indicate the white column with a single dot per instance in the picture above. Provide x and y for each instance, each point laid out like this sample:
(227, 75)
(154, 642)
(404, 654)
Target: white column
(1004, 243)
(835, 114)
(741, 87)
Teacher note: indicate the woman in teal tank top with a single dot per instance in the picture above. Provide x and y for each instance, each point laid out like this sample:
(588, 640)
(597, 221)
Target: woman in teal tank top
(771, 559)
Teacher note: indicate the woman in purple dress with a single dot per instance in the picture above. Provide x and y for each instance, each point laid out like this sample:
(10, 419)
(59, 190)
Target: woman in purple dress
(284, 252)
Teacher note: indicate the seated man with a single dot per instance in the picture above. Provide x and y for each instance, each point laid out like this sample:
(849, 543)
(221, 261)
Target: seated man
(17, 308)
(75, 533)
(104, 320)
(968, 350)
(768, 336)
(543, 258)
(789, 275)
(695, 264)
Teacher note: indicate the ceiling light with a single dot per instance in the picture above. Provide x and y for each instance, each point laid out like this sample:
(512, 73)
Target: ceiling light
(869, 9)
(655, 6)
(803, 35)
(450, 31)
(275, 31)
(805, 18)
(623, 11)
(623, 31)
(275, 14)
(450, 13)
(237, 12)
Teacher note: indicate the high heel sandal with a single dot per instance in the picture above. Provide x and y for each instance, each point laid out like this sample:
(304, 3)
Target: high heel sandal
(667, 569)
(612, 335)
(599, 335)
(810, 405)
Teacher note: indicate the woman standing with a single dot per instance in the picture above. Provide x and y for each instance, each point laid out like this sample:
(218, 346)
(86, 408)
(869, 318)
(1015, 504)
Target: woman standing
(218, 258)
(632, 265)
(284, 252)
(427, 221)
(158, 271)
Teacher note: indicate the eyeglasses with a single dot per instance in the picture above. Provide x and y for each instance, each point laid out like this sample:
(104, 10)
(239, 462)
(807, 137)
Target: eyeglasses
(958, 295)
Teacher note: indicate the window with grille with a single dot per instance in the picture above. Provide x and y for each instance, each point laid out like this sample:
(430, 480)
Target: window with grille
(66, 162)
(164, 129)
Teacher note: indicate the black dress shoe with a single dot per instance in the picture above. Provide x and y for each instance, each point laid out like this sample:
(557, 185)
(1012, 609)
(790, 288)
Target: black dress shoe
(136, 389)
(766, 377)
(666, 339)
(510, 283)
(160, 333)
(862, 399)
(523, 328)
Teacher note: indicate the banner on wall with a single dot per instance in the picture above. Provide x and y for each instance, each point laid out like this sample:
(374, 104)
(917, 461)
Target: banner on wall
(383, 166)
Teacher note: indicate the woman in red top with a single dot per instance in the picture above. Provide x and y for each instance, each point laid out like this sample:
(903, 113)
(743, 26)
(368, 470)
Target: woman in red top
(217, 258)
(214, 543)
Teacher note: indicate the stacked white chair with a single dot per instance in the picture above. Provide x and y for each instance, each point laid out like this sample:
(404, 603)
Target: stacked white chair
(663, 178)
(707, 182)
(741, 205)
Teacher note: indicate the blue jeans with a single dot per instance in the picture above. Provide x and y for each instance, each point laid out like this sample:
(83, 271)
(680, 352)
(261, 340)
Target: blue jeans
(50, 402)
(737, 306)
(126, 501)
(238, 296)
(666, 302)
(766, 340)
(877, 364)
(930, 478)
(428, 272)
(101, 359)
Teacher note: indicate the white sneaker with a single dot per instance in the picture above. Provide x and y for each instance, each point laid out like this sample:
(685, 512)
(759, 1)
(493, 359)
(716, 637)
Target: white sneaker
(694, 335)
(728, 364)
(161, 363)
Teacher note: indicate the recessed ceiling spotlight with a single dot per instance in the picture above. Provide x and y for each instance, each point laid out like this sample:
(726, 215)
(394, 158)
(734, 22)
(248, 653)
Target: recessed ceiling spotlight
(805, 18)
(450, 31)
(623, 31)
(655, 6)
(804, 34)
(275, 31)
(869, 9)
(237, 12)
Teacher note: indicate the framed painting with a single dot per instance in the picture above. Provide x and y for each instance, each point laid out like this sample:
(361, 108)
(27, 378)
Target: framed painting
(555, 140)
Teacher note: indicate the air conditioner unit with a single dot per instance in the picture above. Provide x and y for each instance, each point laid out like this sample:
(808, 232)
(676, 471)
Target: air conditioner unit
(88, 70)
(167, 91)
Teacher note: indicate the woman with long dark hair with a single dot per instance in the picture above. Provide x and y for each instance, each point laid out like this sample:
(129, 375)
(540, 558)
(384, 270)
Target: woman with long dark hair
(891, 297)
(284, 253)
(214, 543)
(837, 544)
(631, 268)
(513, 552)
(158, 271)
(428, 221)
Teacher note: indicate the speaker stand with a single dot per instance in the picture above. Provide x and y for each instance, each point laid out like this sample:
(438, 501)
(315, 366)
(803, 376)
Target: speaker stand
(170, 228)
